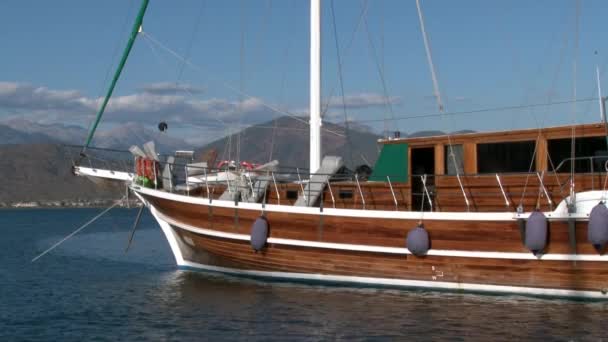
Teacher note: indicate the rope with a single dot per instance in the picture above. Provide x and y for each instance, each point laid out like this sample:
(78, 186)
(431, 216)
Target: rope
(437, 94)
(341, 78)
(477, 111)
(346, 51)
(227, 85)
(574, 74)
(241, 81)
(380, 73)
(76, 231)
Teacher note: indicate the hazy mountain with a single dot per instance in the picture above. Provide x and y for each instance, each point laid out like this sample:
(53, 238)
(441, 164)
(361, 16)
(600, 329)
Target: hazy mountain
(57, 132)
(9, 135)
(42, 172)
(288, 143)
(21, 131)
(122, 137)
(420, 134)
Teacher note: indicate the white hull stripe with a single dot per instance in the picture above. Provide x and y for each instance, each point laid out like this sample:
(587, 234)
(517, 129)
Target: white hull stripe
(536, 291)
(387, 250)
(109, 174)
(385, 214)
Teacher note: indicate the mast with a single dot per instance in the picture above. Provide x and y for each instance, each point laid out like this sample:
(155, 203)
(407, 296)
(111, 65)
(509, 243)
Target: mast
(315, 85)
(601, 99)
(136, 29)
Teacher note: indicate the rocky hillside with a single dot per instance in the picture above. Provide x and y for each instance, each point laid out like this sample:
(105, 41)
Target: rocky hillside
(286, 140)
(41, 173)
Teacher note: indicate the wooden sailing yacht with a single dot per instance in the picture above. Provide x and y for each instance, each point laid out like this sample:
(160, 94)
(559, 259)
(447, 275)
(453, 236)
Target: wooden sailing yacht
(508, 211)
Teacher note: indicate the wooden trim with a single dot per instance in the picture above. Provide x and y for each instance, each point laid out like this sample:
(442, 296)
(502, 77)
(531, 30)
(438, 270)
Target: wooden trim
(541, 154)
(585, 130)
(439, 159)
(470, 157)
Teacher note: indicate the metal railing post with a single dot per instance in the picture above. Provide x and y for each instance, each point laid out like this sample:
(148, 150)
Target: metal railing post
(155, 175)
(250, 184)
(331, 193)
(276, 189)
(228, 182)
(504, 195)
(187, 185)
(426, 191)
(542, 185)
(359, 187)
(207, 184)
(302, 186)
(392, 192)
(592, 174)
(464, 194)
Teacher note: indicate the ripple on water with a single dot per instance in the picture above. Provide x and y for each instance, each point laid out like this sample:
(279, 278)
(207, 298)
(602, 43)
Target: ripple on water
(90, 289)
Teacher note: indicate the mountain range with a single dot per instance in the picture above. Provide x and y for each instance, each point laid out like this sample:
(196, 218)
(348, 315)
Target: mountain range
(21, 131)
(286, 139)
(34, 166)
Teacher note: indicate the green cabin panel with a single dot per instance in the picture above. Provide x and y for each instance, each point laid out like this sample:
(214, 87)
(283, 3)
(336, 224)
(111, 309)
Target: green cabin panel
(392, 162)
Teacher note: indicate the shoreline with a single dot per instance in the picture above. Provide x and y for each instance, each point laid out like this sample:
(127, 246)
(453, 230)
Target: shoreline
(68, 204)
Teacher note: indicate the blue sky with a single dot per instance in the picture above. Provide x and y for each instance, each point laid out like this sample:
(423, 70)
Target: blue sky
(56, 55)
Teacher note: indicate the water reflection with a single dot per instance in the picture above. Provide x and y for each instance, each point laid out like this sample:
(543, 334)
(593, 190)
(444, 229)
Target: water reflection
(88, 289)
(223, 305)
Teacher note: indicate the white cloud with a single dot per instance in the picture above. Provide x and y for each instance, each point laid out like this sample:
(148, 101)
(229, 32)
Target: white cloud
(169, 88)
(363, 100)
(157, 102)
(153, 103)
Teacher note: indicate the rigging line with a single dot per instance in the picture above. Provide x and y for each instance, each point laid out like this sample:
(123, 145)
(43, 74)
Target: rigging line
(77, 230)
(557, 73)
(574, 75)
(228, 143)
(429, 58)
(227, 85)
(115, 53)
(191, 41)
(543, 116)
(372, 47)
(346, 124)
(348, 49)
(241, 82)
(281, 94)
(476, 111)
(437, 94)
(119, 43)
(545, 113)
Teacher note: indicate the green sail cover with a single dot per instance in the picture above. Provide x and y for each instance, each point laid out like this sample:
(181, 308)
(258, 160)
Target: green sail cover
(392, 162)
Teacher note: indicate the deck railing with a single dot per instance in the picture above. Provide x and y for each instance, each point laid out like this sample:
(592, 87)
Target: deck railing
(403, 196)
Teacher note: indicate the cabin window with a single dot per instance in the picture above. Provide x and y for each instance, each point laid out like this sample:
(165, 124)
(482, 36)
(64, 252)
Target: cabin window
(586, 151)
(292, 194)
(344, 194)
(517, 156)
(455, 165)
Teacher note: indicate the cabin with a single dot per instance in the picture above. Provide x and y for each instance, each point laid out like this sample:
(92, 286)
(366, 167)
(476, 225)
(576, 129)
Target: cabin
(495, 171)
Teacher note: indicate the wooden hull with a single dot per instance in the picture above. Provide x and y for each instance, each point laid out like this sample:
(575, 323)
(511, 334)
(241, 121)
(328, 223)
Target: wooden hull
(472, 252)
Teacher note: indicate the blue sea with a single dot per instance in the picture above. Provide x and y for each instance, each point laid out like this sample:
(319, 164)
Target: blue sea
(89, 289)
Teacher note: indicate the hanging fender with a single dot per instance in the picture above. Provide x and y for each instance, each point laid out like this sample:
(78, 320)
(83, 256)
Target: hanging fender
(597, 229)
(536, 232)
(418, 242)
(259, 233)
